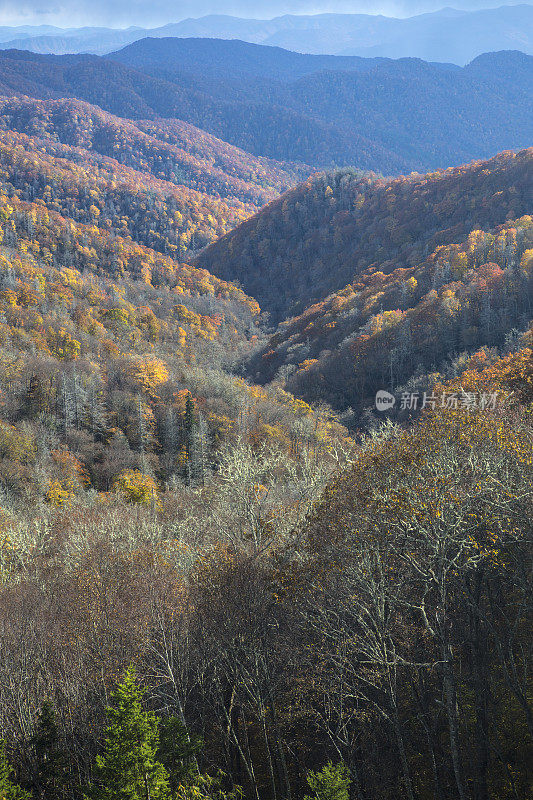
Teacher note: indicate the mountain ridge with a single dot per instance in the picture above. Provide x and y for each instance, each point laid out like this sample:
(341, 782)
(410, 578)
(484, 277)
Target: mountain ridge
(258, 128)
(321, 235)
(432, 35)
(388, 116)
(424, 114)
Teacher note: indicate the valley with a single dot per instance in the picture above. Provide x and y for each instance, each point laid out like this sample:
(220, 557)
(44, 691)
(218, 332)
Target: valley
(226, 571)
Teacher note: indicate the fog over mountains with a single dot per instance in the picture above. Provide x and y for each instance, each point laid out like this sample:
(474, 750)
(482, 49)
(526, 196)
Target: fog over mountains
(447, 35)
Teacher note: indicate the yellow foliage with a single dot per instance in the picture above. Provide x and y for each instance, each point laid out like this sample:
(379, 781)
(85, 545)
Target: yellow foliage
(16, 445)
(64, 346)
(527, 262)
(135, 487)
(57, 495)
(147, 373)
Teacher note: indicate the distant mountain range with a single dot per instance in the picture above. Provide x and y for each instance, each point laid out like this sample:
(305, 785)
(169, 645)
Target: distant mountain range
(257, 126)
(388, 116)
(448, 35)
(381, 114)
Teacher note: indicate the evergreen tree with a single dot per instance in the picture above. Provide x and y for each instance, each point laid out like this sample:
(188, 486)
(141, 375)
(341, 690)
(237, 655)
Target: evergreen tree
(128, 768)
(332, 782)
(195, 444)
(51, 762)
(8, 789)
(207, 787)
(177, 751)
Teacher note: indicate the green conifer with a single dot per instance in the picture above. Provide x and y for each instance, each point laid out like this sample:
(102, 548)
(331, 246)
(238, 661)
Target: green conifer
(177, 751)
(8, 789)
(128, 769)
(332, 782)
(51, 762)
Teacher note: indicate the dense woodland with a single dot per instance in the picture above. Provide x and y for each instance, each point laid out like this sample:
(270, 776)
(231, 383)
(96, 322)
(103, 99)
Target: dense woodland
(390, 629)
(102, 342)
(95, 168)
(381, 114)
(223, 575)
(170, 150)
(269, 130)
(377, 114)
(341, 225)
(401, 330)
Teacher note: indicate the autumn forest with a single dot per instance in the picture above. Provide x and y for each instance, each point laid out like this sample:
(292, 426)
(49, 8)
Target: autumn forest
(226, 571)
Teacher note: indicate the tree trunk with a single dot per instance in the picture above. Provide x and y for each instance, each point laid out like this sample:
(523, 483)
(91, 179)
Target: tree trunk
(450, 695)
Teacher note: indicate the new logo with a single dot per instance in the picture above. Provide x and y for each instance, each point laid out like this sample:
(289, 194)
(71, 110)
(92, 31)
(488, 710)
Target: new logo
(384, 400)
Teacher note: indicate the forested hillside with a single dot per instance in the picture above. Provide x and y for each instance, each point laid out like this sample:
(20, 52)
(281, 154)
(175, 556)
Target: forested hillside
(340, 226)
(169, 150)
(398, 331)
(146, 183)
(112, 360)
(119, 410)
(419, 599)
(388, 116)
(236, 63)
(391, 630)
(426, 115)
(169, 218)
(226, 572)
(255, 126)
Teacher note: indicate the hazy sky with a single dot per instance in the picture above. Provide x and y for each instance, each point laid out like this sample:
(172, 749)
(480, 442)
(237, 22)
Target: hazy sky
(122, 13)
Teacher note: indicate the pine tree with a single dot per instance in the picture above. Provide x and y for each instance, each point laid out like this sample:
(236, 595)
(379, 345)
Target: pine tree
(207, 787)
(51, 762)
(128, 768)
(332, 782)
(177, 751)
(195, 444)
(8, 789)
